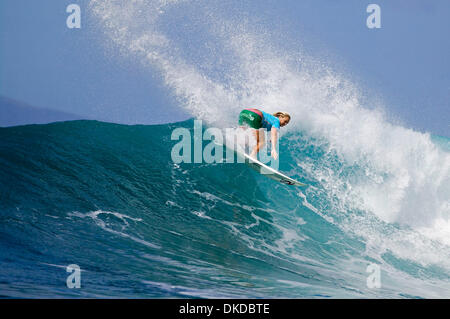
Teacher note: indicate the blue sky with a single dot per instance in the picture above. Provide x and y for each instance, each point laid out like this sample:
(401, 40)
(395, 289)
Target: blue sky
(405, 63)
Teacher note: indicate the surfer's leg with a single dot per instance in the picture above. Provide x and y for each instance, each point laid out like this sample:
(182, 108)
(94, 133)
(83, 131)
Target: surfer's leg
(254, 121)
(259, 137)
(255, 149)
(261, 140)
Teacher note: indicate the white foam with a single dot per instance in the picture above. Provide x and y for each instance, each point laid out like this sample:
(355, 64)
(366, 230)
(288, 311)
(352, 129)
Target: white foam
(94, 215)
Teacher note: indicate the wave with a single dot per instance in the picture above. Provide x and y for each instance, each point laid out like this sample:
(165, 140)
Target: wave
(109, 198)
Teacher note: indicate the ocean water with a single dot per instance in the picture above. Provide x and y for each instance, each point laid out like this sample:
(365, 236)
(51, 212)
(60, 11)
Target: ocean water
(109, 199)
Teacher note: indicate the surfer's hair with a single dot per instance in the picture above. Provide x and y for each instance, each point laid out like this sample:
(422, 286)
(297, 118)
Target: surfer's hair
(282, 114)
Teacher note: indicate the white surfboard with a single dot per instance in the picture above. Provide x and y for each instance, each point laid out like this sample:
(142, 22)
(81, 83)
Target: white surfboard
(265, 170)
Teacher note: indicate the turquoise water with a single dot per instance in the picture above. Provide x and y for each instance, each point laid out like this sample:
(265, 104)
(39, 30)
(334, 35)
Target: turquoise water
(109, 198)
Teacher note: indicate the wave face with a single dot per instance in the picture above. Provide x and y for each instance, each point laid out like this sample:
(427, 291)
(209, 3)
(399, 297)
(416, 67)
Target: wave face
(109, 198)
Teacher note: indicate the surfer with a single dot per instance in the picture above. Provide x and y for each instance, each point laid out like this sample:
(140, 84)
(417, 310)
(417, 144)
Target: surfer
(258, 119)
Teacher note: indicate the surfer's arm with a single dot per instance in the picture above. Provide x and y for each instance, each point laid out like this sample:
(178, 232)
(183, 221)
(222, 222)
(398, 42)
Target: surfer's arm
(273, 138)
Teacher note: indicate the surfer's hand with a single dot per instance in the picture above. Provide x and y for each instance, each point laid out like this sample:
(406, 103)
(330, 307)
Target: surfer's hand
(274, 154)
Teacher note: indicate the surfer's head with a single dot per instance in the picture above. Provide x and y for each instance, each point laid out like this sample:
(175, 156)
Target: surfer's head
(284, 117)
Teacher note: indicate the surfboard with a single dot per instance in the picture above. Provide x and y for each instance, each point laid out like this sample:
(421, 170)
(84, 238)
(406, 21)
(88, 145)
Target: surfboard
(269, 172)
(265, 170)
